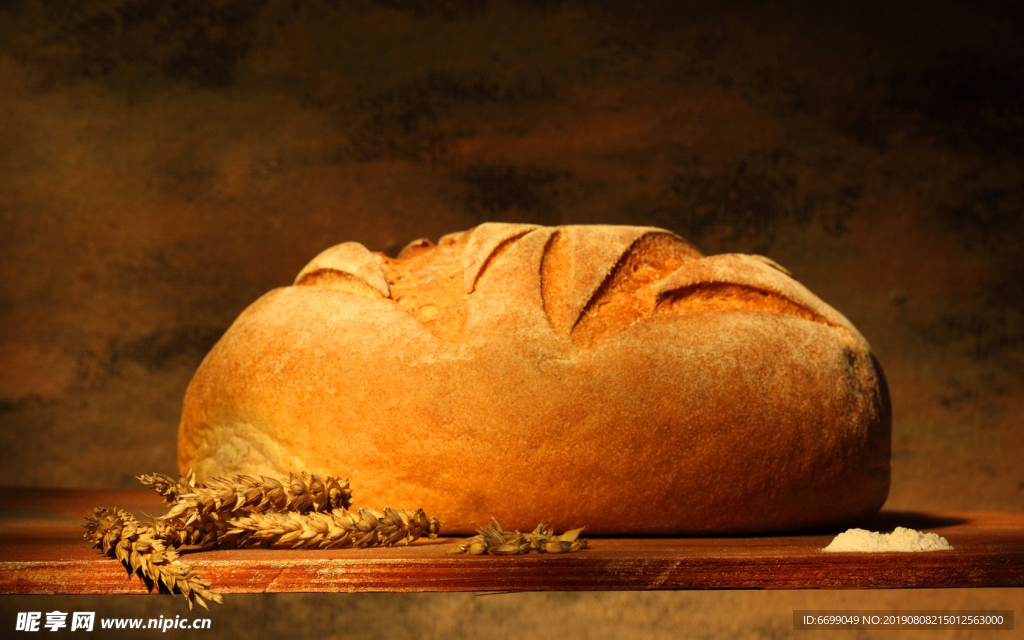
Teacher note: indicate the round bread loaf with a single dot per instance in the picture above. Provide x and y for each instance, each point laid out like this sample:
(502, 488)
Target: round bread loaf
(605, 376)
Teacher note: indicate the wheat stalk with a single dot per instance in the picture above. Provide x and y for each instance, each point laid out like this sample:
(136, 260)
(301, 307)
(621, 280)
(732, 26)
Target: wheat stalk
(197, 529)
(339, 528)
(167, 486)
(300, 493)
(119, 535)
(198, 511)
(494, 539)
(300, 511)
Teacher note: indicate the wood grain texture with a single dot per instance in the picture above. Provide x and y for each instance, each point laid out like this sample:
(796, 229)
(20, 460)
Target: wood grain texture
(41, 552)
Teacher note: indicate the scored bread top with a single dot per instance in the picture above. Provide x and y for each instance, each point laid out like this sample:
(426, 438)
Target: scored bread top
(564, 374)
(590, 281)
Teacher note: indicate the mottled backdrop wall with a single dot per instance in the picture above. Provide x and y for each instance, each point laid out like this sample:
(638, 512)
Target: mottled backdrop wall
(162, 164)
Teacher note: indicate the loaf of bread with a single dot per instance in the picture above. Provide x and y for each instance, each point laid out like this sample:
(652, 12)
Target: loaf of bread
(605, 376)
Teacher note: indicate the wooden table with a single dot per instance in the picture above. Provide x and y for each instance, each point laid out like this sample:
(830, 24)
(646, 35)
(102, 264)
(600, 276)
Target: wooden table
(42, 551)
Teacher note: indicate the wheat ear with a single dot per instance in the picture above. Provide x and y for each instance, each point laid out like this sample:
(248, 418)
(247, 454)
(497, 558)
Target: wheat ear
(494, 539)
(300, 493)
(339, 528)
(119, 535)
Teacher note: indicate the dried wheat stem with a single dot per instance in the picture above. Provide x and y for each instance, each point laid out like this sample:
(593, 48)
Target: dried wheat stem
(304, 510)
(340, 528)
(494, 539)
(199, 510)
(300, 493)
(136, 545)
(167, 486)
(193, 529)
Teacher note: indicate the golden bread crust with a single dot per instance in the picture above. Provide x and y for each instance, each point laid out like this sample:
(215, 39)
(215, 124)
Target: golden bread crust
(611, 377)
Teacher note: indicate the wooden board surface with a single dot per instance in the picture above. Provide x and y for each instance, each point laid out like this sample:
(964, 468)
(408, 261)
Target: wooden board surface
(42, 551)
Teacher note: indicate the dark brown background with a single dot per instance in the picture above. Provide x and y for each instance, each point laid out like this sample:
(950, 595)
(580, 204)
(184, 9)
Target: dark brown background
(164, 164)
